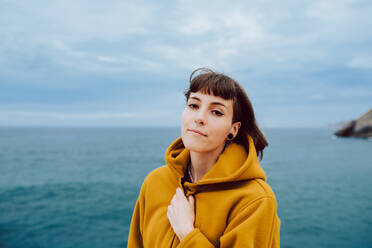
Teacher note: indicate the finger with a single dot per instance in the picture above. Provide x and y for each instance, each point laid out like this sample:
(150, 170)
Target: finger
(169, 214)
(170, 210)
(191, 199)
(178, 191)
(174, 198)
(180, 194)
(191, 202)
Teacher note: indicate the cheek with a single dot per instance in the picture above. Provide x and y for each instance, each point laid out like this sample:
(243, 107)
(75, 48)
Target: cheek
(185, 118)
(220, 130)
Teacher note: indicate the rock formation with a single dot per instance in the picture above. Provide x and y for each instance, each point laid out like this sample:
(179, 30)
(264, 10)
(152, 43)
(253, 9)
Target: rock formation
(361, 127)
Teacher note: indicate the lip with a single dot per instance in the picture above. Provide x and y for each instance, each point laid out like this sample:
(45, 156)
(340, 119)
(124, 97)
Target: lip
(198, 132)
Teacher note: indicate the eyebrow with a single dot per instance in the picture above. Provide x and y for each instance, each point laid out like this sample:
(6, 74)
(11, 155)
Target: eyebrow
(213, 103)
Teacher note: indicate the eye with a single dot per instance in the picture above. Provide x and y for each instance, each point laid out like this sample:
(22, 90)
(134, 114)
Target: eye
(193, 106)
(218, 113)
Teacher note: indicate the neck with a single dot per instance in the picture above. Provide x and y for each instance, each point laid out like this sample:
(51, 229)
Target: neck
(202, 162)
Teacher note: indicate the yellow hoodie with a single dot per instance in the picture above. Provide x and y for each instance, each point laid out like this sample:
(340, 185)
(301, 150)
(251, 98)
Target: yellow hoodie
(234, 206)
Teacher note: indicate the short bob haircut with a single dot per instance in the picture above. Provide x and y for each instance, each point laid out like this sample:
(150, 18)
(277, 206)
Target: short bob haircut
(218, 84)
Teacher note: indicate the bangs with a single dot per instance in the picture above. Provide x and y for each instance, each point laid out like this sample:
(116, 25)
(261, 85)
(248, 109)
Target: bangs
(212, 83)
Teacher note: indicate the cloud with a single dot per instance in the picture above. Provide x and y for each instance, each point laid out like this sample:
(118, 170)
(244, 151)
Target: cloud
(116, 53)
(31, 118)
(360, 62)
(59, 45)
(328, 10)
(86, 116)
(108, 59)
(239, 35)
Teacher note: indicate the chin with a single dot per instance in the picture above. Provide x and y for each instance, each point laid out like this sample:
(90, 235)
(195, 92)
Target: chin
(193, 144)
(197, 145)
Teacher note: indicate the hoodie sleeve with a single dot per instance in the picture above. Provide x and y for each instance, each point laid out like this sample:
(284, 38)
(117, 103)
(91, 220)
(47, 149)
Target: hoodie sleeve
(255, 225)
(135, 231)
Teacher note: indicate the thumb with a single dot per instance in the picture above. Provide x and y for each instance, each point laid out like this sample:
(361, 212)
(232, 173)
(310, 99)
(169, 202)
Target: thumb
(191, 202)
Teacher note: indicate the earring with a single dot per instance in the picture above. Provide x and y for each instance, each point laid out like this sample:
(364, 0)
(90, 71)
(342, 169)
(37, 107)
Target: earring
(230, 137)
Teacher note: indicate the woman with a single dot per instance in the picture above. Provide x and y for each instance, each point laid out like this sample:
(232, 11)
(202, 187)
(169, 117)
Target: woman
(212, 191)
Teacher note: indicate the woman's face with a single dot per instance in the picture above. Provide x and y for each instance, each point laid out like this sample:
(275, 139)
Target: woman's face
(212, 117)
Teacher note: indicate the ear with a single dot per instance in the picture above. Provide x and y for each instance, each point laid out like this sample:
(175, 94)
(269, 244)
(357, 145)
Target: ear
(235, 128)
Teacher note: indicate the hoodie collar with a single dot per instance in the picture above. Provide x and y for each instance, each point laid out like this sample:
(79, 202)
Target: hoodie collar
(233, 164)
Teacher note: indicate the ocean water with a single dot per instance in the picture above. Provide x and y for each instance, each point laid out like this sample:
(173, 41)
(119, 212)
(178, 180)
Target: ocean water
(76, 187)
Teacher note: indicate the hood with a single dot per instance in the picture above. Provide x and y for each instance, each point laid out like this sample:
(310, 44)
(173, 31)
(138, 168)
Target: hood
(233, 164)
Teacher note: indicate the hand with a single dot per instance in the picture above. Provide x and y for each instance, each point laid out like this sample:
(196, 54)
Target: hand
(181, 214)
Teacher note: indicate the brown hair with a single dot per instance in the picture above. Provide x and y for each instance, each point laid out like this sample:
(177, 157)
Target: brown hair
(218, 84)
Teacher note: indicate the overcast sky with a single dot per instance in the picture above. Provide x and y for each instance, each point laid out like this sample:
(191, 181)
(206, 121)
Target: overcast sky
(127, 63)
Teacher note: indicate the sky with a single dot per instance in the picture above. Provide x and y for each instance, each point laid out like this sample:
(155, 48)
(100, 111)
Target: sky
(127, 63)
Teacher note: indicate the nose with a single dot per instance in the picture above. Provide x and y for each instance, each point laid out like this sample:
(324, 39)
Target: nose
(200, 117)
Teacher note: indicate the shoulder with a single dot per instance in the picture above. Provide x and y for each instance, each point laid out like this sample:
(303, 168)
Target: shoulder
(263, 189)
(153, 178)
(257, 197)
(254, 191)
(158, 186)
(157, 175)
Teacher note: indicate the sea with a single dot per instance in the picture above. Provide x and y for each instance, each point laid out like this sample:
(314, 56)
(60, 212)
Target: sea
(68, 187)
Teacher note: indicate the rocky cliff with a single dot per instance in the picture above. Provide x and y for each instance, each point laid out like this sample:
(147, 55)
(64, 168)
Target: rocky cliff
(361, 127)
